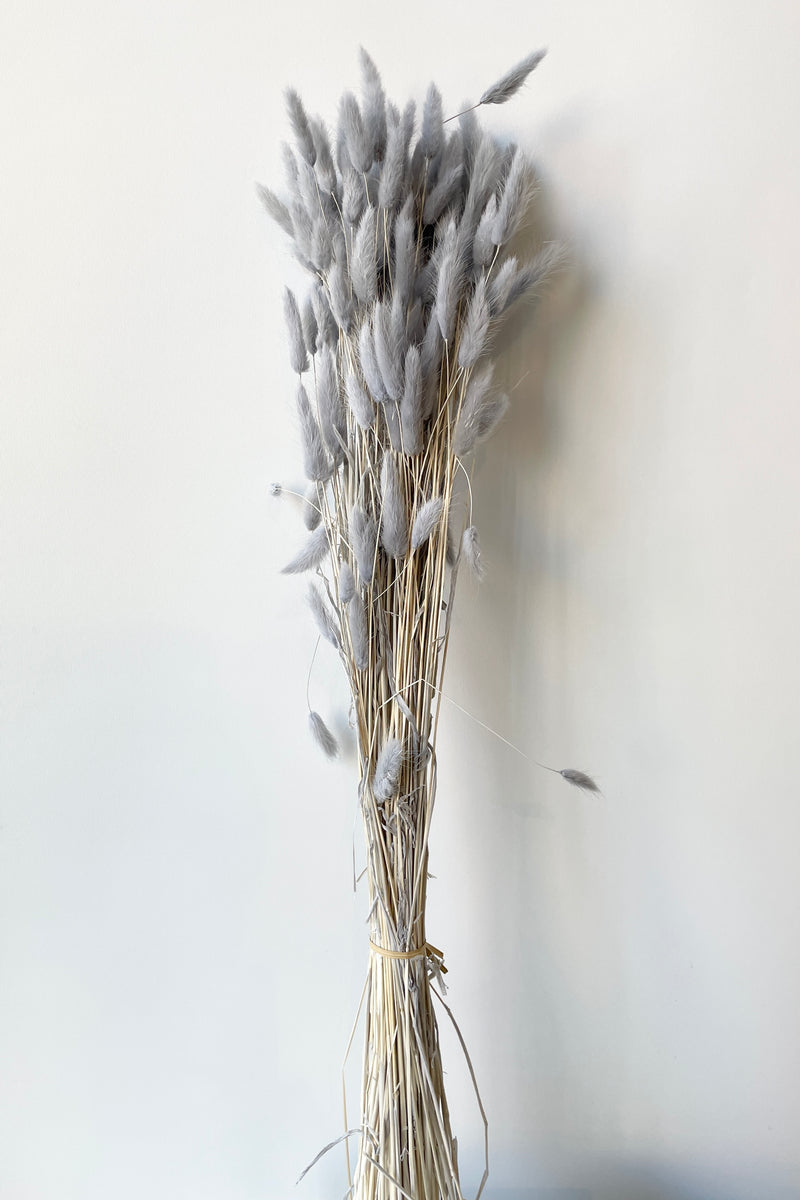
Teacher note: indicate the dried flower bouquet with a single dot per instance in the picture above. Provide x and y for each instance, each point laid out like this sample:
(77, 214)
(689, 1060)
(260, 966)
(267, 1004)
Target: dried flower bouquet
(405, 237)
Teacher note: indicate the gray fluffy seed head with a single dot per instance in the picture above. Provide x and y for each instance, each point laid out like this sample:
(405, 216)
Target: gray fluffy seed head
(322, 735)
(443, 194)
(310, 330)
(332, 421)
(356, 139)
(326, 171)
(411, 415)
(483, 247)
(347, 583)
(432, 132)
(369, 364)
(300, 126)
(404, 250)
(484, 178)
(471, 550)
(448, 290)
(316, 463)
(390, 187)
(391, 414)
(353, 196)
(298, 356)
(428, 517)
(360, 403)
(388, 350)
(327, 330)
(374, 105)
(340, 300)
(311, 555)
(394, 517)
(363, 261)
(475, 395)
(475, 327)
(513, 202)
(276, 208)
(386, 780)
(579, 779)
(510, 83)
(363, 539)
(359, 631)
(480, 423)
(326, 620)
(312, 514)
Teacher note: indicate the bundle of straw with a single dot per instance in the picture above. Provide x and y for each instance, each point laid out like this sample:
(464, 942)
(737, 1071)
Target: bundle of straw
(405, 236)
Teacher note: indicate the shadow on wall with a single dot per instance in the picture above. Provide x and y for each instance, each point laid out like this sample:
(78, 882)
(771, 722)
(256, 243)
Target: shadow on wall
(511, 671)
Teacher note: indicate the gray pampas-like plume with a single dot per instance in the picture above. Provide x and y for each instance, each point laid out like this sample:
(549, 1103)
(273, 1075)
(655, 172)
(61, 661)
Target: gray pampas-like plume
(510, 83)
(513, 202)
(359, 631)
(443, 194)
(360, 403)
(326, 620)
(475, 327)
(340, 299)
(405, 250)
(325, 168)
(471, 549)
(411, 417)
(394, 517)
(322, 735)
(316, 463)
(327, 329)
(363, 539)
(363, 262)
(353, 196)
(483, 248)
(300, 126)
(432, 133)
(332, 420)
(392, 178)
(374, 107)
(276, 209)
(386, 780)
(312, 514)
(448, 290)
(369, 364)
(356, 140)
(310, 328)
(388, 350)
(480, 423)
(347, 583)
(579, 780)
(311, 555)
(297, 347)
(428, 516)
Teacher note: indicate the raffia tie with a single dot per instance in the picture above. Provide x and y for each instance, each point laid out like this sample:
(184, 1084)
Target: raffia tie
(426, 951)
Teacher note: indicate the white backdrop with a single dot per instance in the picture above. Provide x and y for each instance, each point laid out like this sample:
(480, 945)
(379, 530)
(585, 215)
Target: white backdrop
(182, 951)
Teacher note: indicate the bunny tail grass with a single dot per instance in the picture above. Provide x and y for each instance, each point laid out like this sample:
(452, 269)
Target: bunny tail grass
(579, 779)
(471, 549)
(509, 84)
(311, 555)
(402, 228)
(426, 521)
(322, 735)
(386, 780)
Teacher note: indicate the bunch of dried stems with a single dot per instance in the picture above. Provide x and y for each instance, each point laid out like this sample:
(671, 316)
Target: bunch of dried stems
(405, 235)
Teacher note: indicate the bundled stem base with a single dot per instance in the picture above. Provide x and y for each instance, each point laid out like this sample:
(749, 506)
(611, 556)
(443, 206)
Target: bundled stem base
(407, 1147)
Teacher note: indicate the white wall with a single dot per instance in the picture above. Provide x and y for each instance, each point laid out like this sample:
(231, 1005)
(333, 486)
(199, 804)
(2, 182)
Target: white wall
(181, 949)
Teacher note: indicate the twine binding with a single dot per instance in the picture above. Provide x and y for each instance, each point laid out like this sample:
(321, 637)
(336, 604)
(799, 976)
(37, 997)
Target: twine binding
(426, 951)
